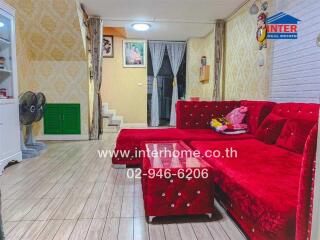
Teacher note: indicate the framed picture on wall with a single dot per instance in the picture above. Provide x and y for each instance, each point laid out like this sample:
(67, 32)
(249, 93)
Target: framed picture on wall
(108, 51)
(134, 53)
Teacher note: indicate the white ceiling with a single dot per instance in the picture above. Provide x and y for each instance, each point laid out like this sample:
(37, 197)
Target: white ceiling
(169, 19)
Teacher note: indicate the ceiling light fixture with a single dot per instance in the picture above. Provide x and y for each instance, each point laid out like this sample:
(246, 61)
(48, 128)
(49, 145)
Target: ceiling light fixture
(1, 24)
(141, 27)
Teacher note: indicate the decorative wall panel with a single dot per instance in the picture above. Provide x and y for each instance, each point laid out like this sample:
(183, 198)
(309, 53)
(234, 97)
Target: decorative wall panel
(244, 78)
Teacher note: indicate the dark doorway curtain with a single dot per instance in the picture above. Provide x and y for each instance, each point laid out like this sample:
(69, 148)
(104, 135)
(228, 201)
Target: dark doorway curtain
(165, 77)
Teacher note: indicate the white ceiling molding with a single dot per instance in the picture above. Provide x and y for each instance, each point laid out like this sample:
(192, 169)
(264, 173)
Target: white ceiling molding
(238, 8)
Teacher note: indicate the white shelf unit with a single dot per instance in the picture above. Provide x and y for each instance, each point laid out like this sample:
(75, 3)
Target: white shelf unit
(10, 149)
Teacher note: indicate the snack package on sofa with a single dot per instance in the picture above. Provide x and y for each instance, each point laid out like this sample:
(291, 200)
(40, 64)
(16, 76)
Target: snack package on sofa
(232, 123)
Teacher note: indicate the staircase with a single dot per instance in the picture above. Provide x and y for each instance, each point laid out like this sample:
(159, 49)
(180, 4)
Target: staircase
(111, 122)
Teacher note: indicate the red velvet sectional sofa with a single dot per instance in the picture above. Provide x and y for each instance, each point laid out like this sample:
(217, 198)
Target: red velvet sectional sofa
(267, 187)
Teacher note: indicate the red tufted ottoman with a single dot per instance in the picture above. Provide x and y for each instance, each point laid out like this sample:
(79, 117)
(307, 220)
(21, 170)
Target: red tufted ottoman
(174, 181)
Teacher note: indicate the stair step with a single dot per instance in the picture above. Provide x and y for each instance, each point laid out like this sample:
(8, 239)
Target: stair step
(110, 119)
(111, 130)
(108, 115)
(114, 123)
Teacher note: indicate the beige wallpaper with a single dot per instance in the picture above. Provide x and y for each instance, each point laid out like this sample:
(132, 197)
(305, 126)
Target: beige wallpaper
(124, 89)
(198, 47)
(244, 78)
(50, 29)
(50, 53)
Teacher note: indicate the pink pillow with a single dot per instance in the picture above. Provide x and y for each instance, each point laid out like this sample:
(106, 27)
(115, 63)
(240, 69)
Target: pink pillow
(237, 115)
(270, 128)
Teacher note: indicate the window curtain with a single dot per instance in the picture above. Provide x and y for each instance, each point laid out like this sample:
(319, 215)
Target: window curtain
(157, 50)
(96, 30)
(176, 52)
(219, 59)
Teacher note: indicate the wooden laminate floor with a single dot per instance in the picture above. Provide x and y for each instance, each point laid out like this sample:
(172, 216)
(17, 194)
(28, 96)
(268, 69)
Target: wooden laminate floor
(70, 193)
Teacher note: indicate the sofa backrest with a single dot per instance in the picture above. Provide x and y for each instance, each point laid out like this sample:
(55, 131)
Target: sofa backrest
(303, 111)
(257, 112)
(198, 114)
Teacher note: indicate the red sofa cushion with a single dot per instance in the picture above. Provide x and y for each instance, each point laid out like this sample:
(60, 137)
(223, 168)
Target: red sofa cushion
(257, 112)
(133, 137)
(270, 129)
(130, 139)
(259, 182)
(294, 134)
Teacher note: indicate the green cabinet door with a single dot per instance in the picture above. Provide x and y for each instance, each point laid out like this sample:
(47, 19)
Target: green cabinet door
(71, 119)
(52, 119)
(62, 119)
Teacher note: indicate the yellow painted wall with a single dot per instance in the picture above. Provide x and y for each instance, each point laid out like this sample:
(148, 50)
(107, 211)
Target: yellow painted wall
(244, 78)
(124, 89)
(198, 47)
(50, 53)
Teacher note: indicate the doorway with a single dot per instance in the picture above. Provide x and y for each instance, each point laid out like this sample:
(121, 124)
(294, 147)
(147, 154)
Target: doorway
(165, 78)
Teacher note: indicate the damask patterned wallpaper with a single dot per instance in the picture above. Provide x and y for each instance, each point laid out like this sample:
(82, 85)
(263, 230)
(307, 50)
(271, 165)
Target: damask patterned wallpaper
(244, 78)
(50, 54)
(50, 28)
(198, 47)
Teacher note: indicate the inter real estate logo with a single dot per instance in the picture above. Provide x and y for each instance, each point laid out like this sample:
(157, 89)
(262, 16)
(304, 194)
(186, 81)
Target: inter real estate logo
(282, 26)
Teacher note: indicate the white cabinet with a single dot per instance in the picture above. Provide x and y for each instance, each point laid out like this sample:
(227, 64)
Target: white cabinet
(9, 129)
(9, 134)
(9, 107)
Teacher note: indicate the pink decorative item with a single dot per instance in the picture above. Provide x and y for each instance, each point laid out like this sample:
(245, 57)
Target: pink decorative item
(240, 126)
(237, 115)
(2, 62)
(195, 99)
(3, 93)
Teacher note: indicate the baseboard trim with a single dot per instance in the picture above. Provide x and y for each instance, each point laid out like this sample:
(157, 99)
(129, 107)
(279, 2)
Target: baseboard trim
(14, 157)
(63, 137)
(134, 125)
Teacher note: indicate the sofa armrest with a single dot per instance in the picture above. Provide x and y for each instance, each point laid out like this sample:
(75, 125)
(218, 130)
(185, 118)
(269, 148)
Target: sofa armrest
(198, 114)
(306, 186)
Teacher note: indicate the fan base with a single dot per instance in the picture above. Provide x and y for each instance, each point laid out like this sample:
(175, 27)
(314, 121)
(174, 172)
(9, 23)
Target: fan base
(38, 146)
(29, 153)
